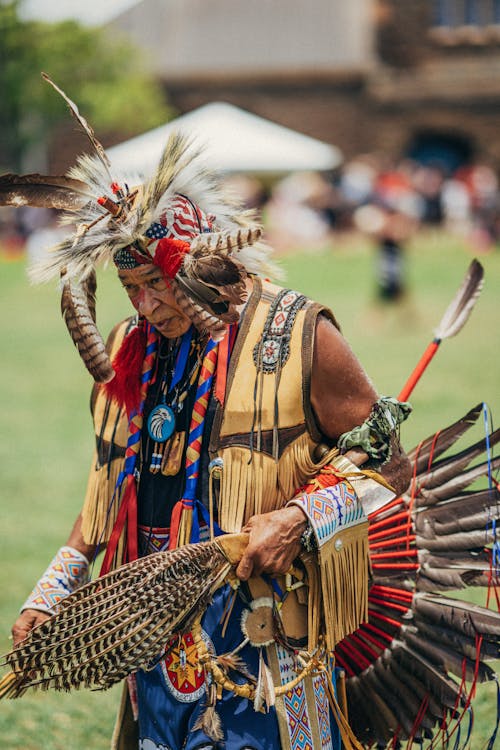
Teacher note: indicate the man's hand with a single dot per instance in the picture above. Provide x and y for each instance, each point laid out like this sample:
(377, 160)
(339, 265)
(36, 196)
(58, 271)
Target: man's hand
(274, 542)
(27, 620)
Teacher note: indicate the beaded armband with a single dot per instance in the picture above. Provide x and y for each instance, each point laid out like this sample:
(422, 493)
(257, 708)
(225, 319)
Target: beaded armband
(67, 571)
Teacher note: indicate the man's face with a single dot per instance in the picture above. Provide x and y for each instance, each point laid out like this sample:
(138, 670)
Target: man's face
(153, 298)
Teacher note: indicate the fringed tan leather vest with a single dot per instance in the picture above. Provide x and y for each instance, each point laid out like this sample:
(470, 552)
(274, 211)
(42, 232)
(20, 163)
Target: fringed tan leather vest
(265, 433)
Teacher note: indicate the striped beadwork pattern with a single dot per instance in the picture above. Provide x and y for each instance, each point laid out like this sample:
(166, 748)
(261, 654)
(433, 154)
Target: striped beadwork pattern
(193, 451)
(136, 417)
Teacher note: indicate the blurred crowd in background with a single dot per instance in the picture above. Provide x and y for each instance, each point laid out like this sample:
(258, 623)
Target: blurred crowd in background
(312, 211)
(374, 196)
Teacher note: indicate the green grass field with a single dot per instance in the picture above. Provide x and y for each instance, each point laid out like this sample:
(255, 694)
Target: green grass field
(47, 435)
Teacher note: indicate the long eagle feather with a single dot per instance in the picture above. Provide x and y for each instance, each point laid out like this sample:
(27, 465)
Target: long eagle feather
(461, 306)
(97, 146)
(43, 191)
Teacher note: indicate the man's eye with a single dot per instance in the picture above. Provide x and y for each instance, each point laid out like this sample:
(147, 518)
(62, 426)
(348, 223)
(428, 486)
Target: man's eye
(158, 281)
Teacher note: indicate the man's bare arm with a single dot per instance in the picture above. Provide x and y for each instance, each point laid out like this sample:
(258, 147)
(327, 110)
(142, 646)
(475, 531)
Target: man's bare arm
(342, 397)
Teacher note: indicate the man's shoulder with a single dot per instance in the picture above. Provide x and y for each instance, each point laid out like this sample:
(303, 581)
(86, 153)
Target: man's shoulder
(118, 333)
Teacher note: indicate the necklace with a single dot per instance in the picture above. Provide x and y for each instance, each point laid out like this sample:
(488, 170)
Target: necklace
(161, 420)
(163, 424)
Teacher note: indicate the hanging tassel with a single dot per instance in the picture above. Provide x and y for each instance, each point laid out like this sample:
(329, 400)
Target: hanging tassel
(265, 692)
(349, 740)
(269, 693)
(209, 721)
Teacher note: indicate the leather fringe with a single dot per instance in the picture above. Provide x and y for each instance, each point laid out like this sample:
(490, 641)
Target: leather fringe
(314, 601)
(253, 482)
(343, 564)
(185, 526)
(98, 516)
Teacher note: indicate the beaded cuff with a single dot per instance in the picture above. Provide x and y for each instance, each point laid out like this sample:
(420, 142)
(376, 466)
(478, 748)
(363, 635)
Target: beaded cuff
(67, 571)
(338, 526)
(329, 510)
(374, 435)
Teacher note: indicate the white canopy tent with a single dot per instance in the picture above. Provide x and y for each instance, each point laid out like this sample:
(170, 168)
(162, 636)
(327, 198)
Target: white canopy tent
(235, 141)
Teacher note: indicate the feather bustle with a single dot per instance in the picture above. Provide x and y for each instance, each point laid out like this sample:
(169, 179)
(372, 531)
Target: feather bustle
(455, 485)
(438, 443)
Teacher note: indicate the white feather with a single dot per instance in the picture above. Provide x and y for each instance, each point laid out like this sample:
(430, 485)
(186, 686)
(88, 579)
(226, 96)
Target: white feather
(99, 235)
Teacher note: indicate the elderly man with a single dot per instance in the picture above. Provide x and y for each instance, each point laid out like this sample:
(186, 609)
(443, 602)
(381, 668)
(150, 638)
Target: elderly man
(230, 403)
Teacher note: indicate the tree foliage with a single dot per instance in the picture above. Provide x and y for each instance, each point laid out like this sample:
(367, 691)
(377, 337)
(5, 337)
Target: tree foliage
(103, 73)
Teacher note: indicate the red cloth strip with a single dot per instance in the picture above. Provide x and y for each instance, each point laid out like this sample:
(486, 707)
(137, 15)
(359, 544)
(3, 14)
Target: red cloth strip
(388, 604)
(392, 592)
(369, 650)
(345, 666)
(382, 633)
(395, 554)
(384, 618)
(388, 521)
(385, 508)
(389, 533)
(352, 653)
(403, 540)
(369, 637)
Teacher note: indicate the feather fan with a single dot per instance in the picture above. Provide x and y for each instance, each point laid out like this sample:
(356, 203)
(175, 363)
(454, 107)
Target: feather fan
(121, 622)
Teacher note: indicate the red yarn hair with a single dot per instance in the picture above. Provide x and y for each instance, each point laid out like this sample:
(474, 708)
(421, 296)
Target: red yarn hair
(169, 255)
(125, 388)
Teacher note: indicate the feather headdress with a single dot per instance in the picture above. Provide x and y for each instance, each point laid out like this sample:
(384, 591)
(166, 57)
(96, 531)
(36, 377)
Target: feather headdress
(181, 220)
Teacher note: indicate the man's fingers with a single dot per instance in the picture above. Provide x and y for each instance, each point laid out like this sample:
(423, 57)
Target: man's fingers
(245, 568)
(27, 620)
(19, 634)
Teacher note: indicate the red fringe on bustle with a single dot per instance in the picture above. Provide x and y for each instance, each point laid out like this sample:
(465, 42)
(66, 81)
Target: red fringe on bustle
(125, 388)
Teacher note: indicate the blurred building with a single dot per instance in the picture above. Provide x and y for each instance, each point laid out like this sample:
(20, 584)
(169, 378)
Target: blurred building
(418, 78)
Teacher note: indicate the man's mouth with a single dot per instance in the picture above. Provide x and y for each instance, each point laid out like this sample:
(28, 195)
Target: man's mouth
(163, 323)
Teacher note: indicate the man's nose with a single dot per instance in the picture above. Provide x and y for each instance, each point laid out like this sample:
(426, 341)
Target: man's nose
(147, 302)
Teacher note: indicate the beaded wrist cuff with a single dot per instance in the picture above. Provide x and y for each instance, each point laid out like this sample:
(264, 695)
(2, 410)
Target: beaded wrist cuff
(338, 526)
(329, 510)
(67, 571)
